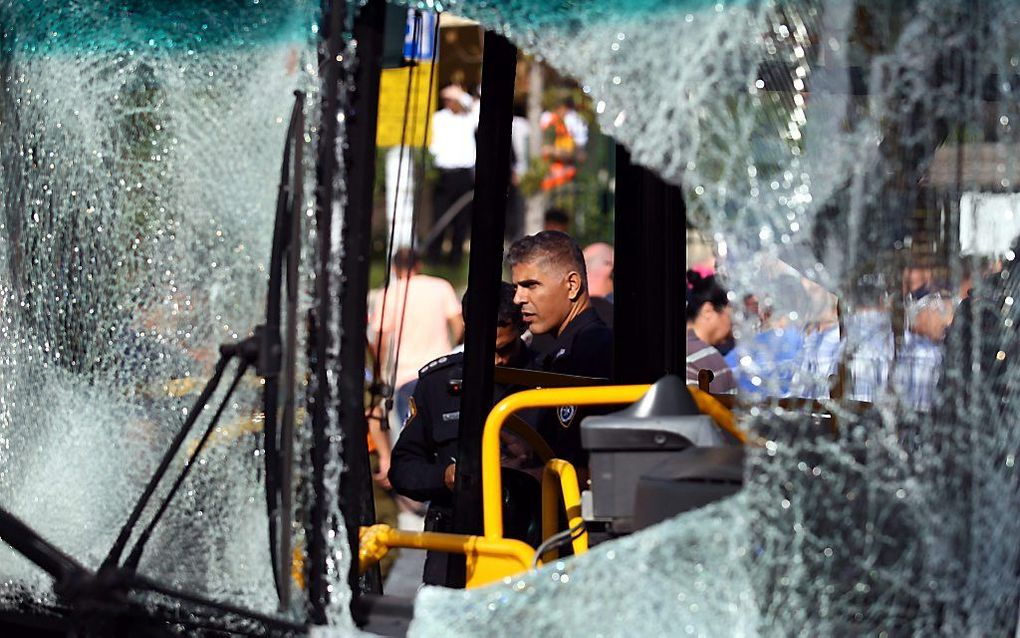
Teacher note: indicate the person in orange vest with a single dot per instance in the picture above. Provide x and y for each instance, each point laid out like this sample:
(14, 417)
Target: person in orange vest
(558, 148)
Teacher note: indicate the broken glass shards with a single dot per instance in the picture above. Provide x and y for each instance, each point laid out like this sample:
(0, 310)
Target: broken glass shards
(842, 140)
(140, 146)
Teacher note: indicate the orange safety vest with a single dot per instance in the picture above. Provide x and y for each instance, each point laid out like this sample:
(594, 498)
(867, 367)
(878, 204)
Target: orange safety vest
(560, 172)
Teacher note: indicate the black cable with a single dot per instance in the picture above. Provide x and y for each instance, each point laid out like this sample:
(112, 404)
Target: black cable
(125, 532)
(556, 541)
(377, 366)
(411, 74)
(415, 199)
(143, 538)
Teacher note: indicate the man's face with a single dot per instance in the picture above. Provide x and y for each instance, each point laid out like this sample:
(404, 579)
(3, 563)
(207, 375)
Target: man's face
(508, 343)
(918, 278)
(543, 293)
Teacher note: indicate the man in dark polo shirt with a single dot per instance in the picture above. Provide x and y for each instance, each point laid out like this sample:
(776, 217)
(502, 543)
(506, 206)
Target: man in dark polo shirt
(552, 291)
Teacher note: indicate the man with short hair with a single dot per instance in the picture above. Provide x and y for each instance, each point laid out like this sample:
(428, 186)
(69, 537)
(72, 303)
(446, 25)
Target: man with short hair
(552, 291)
(424, 461)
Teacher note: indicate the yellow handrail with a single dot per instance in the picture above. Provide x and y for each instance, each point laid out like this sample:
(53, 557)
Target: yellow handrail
(723, 417)
(488, 559)
(564, 471)
(492, 557)
(492, 482)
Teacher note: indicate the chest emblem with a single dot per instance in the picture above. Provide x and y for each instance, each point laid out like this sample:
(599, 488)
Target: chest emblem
(566, 414)
(412, 411)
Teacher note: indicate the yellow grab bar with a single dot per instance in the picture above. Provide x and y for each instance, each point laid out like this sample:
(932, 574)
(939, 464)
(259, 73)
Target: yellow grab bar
(488, 559)
(722, 415)
(564, 471)
(492, 482)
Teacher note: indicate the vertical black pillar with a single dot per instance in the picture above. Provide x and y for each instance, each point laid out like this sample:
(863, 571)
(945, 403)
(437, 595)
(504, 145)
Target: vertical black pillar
(650, 285)
(362, 114)
(488, 219)
(327, 166)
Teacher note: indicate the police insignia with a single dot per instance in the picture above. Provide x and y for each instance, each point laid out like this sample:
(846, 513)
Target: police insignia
(412, 409)
(566, 414)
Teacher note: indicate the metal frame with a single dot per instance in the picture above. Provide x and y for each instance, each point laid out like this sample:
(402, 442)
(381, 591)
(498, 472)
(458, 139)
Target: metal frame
(362, 114)
(650, 280)
(331, 48)
(492, 179)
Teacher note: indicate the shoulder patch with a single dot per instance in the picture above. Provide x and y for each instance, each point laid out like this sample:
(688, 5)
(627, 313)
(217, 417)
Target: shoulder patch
(444, 361)
(566, 414)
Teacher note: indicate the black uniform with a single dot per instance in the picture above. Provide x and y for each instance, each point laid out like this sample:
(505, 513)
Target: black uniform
(585, 348)
(428, 445)
(546, 343)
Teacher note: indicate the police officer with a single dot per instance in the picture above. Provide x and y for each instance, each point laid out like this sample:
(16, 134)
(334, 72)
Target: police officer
(552, 290)
(424, 462)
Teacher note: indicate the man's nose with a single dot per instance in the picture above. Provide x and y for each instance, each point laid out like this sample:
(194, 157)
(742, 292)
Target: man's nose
(519, 298)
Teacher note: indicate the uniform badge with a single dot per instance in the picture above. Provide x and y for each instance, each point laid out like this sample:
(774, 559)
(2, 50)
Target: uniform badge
(566, 414)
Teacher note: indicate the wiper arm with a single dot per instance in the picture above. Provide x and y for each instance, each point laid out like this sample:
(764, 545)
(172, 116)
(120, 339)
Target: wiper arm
(263, 351)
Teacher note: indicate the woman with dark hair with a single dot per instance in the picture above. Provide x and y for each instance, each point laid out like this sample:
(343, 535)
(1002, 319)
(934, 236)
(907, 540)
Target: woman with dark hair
(708, 324)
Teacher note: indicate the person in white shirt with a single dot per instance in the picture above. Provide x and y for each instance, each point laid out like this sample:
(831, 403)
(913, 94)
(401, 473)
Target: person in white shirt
(520, 131)
(453, 151)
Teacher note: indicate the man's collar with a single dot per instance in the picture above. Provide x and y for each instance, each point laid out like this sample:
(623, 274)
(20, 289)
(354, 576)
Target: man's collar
(580, 322)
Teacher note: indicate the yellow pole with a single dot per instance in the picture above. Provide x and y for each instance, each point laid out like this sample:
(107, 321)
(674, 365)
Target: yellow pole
(492, 481)
(558, 468)
(722, 416)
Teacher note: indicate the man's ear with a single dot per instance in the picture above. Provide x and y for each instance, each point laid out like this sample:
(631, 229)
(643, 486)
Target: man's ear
(574, 287)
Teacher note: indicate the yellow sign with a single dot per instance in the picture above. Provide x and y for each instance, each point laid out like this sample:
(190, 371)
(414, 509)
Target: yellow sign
(393, 94)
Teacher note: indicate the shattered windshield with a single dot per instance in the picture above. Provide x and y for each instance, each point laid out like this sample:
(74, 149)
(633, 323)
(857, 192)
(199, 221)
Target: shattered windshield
(140, 150)
(852, 165)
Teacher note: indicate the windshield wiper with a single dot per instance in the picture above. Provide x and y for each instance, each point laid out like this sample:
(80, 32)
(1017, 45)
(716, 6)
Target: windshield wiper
(263, 351)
